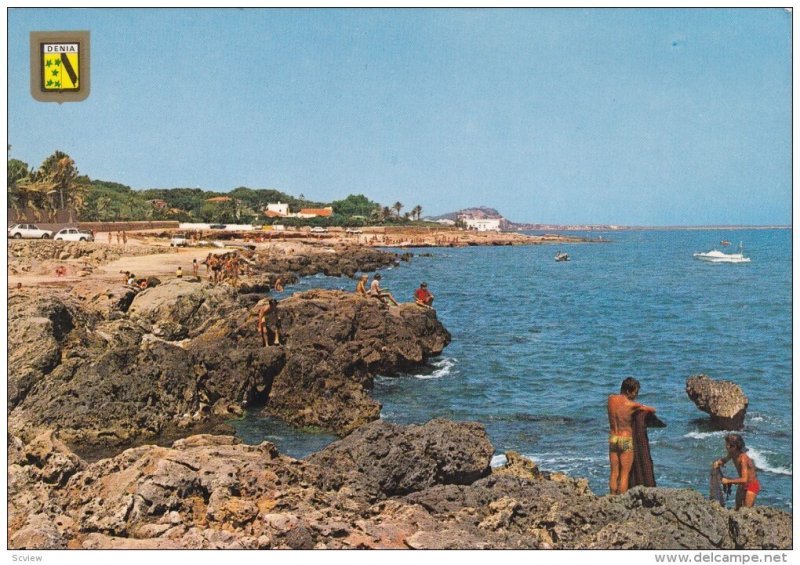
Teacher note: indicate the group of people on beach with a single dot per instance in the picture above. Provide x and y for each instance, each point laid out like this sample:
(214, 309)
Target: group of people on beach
(225, 268)
(623, 407)
(122, 237)
(422, 296)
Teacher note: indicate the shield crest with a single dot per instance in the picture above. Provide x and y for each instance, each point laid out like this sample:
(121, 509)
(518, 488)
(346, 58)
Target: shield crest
(60, 67)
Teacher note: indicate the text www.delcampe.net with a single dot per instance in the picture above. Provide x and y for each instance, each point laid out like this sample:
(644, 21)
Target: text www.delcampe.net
(715, 557)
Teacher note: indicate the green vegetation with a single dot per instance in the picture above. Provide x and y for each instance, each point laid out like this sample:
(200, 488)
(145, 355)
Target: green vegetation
(56, 185)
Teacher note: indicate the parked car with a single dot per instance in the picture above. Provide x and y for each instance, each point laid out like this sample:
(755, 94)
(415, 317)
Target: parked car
(178, 240)
(73, 234)
(217, 226)
(318, 229)
(28, 231)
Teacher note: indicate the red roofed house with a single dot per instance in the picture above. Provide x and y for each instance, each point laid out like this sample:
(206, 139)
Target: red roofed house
(315, 212)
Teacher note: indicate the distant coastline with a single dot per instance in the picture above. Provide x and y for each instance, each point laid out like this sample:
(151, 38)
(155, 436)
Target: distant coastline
(583, 227)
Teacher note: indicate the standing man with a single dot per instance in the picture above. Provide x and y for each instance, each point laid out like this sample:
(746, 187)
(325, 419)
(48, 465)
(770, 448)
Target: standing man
(621, 408)
(422, 296)
(269, 323)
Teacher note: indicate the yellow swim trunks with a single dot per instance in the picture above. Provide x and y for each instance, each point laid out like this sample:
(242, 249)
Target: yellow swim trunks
(619, 444)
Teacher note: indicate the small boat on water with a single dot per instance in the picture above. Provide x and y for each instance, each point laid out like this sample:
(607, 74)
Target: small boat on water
(715, 256)
(725, 242)
(560, 256)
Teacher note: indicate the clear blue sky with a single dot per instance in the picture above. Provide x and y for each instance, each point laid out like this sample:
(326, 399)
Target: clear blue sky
(636, 117)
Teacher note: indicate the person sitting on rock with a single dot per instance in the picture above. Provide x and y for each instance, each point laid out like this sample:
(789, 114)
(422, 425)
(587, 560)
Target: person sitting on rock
(747, 485)
(361, 286)
(423, 297)
(61, 271)
(279, 284)
(269, 323)
(621, 408)
(179, 272)
(381, 294)
(131, 279)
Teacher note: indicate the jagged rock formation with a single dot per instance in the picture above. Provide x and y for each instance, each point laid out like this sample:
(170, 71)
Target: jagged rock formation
(214, 492)
(723, 400)
(103, 367)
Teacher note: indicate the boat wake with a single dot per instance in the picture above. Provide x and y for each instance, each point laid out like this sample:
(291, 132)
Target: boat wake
(715, 256)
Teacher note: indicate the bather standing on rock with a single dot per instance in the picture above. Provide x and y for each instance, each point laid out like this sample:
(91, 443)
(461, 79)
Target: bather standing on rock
(747, 485)
(268, 322)
(621, 408)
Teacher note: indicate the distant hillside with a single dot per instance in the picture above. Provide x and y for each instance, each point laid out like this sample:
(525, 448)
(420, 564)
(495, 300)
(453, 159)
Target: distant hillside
(480, 213)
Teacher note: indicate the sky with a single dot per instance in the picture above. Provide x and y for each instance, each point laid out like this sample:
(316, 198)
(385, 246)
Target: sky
(647, 117)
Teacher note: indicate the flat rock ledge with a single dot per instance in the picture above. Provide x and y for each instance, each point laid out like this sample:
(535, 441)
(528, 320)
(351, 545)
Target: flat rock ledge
(384, 486)
(724, 401)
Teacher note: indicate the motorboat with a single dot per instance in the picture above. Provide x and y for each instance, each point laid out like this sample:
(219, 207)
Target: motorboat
(725, 242)
(562, 256)
(716, 256)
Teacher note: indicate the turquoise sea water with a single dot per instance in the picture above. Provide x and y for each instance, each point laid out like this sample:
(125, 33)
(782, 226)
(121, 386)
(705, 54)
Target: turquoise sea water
(538, 345)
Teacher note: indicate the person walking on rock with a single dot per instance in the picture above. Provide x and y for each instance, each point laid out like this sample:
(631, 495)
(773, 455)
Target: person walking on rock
(621, 408)
(747, 485)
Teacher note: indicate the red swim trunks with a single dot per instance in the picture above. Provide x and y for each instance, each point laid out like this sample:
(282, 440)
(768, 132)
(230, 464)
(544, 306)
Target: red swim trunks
(753, 486)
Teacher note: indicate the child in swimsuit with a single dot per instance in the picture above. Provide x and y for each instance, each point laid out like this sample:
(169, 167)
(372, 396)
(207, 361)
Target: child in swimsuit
(747, 485)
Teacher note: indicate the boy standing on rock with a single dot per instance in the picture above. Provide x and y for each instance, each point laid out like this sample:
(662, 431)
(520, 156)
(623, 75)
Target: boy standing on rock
(268, 322)
(621, 408)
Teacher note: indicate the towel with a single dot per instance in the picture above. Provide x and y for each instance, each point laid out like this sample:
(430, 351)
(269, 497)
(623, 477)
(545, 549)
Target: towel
(642, 470)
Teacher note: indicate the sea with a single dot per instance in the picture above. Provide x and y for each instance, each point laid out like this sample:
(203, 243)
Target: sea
(538, 345)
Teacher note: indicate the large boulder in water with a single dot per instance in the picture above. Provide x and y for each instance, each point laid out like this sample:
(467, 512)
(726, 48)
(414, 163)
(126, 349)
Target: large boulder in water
(723, 400)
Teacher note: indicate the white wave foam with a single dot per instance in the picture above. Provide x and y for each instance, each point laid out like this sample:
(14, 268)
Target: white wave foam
(498, 461)
(705, 435)
(443, 368)
(760, 459)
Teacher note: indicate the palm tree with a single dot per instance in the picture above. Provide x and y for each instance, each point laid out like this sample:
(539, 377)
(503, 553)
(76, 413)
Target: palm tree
(57, 179)
(397, 206)
(17, 194)
(416, 211)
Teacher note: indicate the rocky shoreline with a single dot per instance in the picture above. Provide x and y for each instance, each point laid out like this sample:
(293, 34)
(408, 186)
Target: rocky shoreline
(98, 367)
(383, 486)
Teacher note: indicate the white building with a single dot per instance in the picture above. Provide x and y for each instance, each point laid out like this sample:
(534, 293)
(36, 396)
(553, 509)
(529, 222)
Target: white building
(485, 224)
(282, 209)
